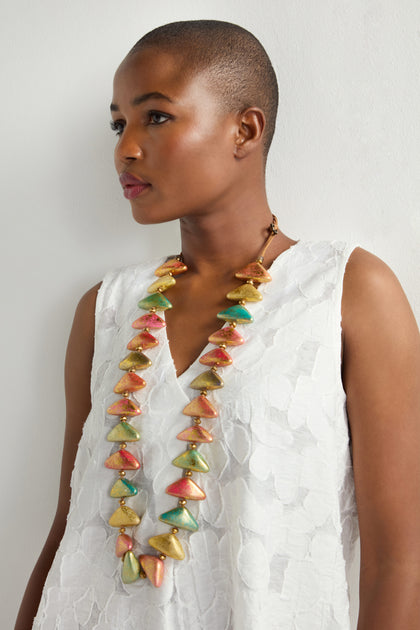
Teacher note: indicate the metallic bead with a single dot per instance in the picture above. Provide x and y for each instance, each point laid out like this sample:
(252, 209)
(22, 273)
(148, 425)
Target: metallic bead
(162, 556)
(122, 502)
(207, 380)
(124, 517)
(237, 313)
(186, 488)
(169, 545)
(182, 502)
(173, 266)
(254, 271)
(122, 473)
(174, 530)
(150, 320)
(195, 434)
(157, 301)
(131, 568)
(191, 460)
(135, 361)
(197, 421)
(227, 335)
(162, 284)
(123, 544)
(188, 473)
(215, 357)
(180, 517)
(143, 341)
(123, 445)
(122, 460)
(124, 407)
(123, 488)
(123, 431)
(153, 568)
(245, 293)
(193, 446)
(200, 407)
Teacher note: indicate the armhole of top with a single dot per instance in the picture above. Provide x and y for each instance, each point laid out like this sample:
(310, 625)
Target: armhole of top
(344, 256)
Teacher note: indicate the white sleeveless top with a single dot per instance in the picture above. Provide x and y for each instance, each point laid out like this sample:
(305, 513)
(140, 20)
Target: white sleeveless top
(278, 525)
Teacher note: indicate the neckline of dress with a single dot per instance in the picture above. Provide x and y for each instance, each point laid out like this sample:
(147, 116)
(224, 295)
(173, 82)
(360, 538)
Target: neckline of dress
(264, 287)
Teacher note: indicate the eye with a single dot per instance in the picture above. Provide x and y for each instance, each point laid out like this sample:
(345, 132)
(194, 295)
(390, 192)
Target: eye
(157, 118)
(117, 126)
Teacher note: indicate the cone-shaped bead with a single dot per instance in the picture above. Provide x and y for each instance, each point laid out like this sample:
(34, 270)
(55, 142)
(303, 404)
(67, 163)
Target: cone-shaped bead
(180, 517)
(130, 382)
(131, 568)
(123, 407)
(195, 434)
(207, 380)
(123, 432)
(155, 300)
(153, 568)
(254, 271)
(186, 488)
(245, 292)
(237, 313)
(150, 320)
(122, 488)
(218, 356)
(162, 284)
(124, 517)
(123, 544)
(227, 335)
(173, 266)
(122, 460)
(191, 460)
(200, 407)
(143, 340)
(135, 361)
(169, 545)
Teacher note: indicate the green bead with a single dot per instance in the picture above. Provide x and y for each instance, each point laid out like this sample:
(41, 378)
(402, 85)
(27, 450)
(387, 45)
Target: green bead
(180, 517)
(123, 432)
(122, 488)
(191, 460)
(157, 301)
(207, 380)
(131, 568)
(136, 361)
(237, 313)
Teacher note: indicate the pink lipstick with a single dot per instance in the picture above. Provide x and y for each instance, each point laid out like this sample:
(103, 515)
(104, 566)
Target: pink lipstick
(133, 186)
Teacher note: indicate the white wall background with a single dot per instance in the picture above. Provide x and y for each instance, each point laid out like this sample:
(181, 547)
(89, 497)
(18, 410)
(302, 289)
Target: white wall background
(345, 164)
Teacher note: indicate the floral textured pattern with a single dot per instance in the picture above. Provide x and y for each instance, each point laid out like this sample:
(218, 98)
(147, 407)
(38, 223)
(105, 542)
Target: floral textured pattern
(278, 525)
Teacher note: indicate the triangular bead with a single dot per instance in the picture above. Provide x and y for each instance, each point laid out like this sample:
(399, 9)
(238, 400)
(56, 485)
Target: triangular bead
(254, 271)
(130, 382)
(245, 292)
(200, 407)
(153, 568)
(144, 340)
(207, 380)
(123, 432)
(163, 283)
(123, 544)
(124, 517)
(150, 320)
(156, 300)
(122, 460)
(191, 460)
(218, 356)
(131, 568)
(173, 266)
(123, 488)
(135, 361)
(195, 434)
(169, 545)
(186, 488)
(123, 407)
(180, 517)
(237, 313)
(227, 335)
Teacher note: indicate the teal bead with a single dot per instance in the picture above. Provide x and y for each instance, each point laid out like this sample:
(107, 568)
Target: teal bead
(157, 301)
(191, 460)
(180, 517)
(237, 313)
(123, 488)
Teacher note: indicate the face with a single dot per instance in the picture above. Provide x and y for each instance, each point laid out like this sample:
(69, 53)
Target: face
(175, 147)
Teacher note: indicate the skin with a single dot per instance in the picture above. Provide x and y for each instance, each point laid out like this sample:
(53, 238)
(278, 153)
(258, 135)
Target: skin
(206, 169)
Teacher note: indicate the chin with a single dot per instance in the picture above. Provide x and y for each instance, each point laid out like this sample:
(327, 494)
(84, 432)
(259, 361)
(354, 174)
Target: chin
(150, 217)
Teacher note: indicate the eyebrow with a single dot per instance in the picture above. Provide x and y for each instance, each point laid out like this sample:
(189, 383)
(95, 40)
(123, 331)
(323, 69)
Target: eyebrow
(138, 100)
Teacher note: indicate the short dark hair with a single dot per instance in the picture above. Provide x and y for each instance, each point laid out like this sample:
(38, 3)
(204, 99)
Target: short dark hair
(234, 59)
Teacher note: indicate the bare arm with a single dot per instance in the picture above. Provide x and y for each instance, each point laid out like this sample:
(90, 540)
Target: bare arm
(77, 385)
(381, 373)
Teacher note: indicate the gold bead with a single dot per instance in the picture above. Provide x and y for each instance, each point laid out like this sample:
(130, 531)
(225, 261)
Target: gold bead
(249, 282)
(122, 473)
(222, 345)
(139, 348)
(122, 530)
(147, 329)
(174, 530)
(193, 446)
(126, 394)
(122, 502)
(123, 445)
(197, 420)
(132, 369)
(232, 324)
(162, 556)
(242, 302)
(123, 418)
(152, 310)
(182, 502)
(204, 392)
(214, 369)
(188, 473)
(142, 574)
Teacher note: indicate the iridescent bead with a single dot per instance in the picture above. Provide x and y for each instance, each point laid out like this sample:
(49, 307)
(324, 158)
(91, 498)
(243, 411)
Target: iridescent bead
(237, 313)
(123, 407)
(150, 320)
(254, 271)
(218, 356)
(195, 434)
(207, 380)
(122, 488)
(123, 544)
(131, 568)
(155, 300)
(136, 361)
(143, 340)
(180, 517)
(200, 406)
(130, 382)
(162, 284)
(122, 460)
(186, 488)
(173, 266)
(124, 517)
(169, 545)
(153, 568)
(245, 292)
(123, 432)
(191, 460)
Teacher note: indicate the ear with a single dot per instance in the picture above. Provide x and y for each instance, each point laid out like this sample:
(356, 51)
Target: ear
(251, 125)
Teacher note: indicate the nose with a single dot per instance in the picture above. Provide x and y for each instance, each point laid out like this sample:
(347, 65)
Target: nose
(128, 147)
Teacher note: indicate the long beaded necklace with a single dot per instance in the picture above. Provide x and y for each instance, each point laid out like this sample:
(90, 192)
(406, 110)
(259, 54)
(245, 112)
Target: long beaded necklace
(185, 488)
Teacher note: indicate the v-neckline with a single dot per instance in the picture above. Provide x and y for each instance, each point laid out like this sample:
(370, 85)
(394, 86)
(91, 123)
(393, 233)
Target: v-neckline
(251, 306)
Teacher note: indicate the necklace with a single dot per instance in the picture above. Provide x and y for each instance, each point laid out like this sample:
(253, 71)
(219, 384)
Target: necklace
(185, 488)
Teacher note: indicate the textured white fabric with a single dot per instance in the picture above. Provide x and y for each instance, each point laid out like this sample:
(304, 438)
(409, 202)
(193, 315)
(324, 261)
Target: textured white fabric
(279, 522)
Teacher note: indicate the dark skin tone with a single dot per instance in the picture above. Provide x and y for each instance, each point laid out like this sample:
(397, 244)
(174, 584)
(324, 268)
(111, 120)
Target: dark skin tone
(206, 168)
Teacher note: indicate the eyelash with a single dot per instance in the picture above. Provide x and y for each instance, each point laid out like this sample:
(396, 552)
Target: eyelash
(118, 125)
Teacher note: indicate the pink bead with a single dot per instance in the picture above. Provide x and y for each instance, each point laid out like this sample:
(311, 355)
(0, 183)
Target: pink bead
(153, 568)
(150, 320)
(216, 357)
(123, 407)
(124, 543)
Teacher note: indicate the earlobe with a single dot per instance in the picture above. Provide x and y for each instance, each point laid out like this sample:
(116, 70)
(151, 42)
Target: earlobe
(251, 125)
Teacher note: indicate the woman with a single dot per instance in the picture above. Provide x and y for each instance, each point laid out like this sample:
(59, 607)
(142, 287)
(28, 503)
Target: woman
(333, 341)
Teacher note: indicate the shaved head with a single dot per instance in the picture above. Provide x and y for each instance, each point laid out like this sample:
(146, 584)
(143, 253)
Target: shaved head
(236, 64)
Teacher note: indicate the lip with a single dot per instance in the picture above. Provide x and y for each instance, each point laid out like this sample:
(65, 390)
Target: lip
(133, 186)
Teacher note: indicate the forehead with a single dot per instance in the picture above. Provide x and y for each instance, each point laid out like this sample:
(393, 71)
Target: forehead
(152, 70)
